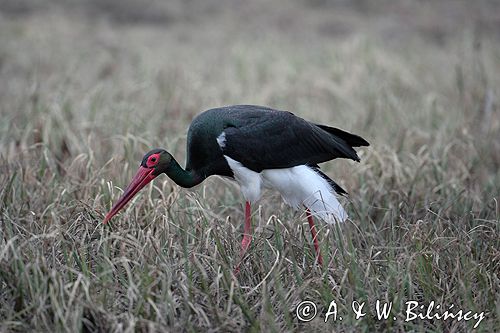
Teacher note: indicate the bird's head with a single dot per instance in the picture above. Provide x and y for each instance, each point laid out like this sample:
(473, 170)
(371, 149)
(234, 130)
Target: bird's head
(154, 163)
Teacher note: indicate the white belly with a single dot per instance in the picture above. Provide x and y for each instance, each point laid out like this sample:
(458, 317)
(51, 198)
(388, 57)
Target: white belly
(299, 186)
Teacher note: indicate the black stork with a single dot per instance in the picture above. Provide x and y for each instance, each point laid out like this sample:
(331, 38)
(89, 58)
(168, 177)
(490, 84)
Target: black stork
(258, 147)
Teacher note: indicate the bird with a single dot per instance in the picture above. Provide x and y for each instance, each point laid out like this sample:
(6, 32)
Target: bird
(258, 147)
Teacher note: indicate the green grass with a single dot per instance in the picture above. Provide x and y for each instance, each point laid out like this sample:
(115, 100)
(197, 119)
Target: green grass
(82, 99)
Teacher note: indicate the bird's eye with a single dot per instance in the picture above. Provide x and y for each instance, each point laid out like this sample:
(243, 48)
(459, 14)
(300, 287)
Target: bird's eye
(152, 160)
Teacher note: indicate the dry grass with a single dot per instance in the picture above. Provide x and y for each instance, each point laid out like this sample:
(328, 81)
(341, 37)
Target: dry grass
(83, 96)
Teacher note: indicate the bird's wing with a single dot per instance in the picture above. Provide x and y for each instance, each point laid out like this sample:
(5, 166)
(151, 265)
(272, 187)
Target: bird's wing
(279, 139)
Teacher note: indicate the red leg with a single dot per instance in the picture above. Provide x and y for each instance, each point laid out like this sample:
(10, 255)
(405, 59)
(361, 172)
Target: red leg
(314, 236)
(247, 236)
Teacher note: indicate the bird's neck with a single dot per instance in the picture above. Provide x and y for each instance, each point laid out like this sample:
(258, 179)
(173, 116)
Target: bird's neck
(184, 178)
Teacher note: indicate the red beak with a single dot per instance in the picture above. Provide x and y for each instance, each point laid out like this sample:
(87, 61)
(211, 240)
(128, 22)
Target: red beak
(141, 179)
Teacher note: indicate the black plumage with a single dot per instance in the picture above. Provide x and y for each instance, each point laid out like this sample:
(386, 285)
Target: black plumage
(263, 138)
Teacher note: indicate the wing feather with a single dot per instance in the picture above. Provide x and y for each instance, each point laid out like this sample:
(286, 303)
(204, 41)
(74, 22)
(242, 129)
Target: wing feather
(271, 139)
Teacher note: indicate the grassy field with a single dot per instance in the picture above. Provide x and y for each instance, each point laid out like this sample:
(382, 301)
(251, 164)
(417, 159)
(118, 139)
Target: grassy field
(86, 89)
